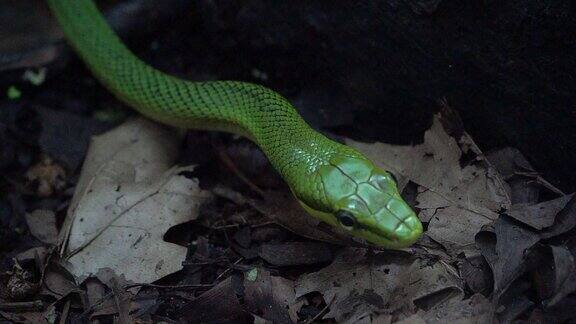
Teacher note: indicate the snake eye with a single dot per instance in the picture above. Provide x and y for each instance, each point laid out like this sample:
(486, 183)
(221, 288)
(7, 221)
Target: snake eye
(346, 218)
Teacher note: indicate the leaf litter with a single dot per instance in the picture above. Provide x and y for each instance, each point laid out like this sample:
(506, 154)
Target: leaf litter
(259, 260)
(456, 200)
(127, 197)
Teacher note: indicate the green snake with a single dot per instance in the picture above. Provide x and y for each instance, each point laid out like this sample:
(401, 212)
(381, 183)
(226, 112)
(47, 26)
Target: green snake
(333, 182)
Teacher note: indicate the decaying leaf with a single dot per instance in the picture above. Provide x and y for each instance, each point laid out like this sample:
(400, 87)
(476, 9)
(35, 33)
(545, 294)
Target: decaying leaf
(565, 220)
(358, 284)
(539, 216)
(505, 247)
(563, 266)
(254, 292)
(128, 195)
(476, 272)
(476, 309)
(219, 304)
(271, 297)
(457, 200)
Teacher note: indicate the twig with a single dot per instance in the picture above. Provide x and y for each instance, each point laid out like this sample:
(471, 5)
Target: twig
(169, 286)
(22, 306)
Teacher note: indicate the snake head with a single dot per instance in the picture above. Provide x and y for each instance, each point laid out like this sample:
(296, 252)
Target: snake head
(364, 200)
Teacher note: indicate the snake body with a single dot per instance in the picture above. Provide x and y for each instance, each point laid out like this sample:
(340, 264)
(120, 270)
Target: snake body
(333, 182)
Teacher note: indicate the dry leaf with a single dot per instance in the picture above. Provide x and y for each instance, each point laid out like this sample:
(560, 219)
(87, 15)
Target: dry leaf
(505, 248)
(474, 310)
(255, 292)
(564, 274)
(271, 297)
(127, 197)
(359, 284)
(539, 216)
(217, 305)
(457, 200)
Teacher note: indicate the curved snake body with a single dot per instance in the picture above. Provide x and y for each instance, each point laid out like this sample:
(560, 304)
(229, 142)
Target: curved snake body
(333, 182)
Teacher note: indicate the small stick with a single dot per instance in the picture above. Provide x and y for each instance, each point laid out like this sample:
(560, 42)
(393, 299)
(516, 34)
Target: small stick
(22, 306)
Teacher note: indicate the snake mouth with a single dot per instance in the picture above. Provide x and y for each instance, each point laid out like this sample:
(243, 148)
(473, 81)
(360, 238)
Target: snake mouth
(392, 241)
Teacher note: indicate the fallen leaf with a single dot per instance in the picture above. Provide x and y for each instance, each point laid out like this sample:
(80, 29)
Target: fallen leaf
(458, 200)
(127, 197)
(359, 284)
(565, 220)
(477, 274)
(514, 308)
(217, 305)
(539, 216)
(412, 319)
(564, 279)
(254, 292)
(515, 169)
(505, 248)
(37, 253)
(271, 297)
(57, 282)
(509, 161)
(42, 224)
(476, 309)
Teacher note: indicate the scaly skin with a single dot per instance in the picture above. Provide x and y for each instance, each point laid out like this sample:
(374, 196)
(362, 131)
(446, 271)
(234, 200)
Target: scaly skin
(333, 182)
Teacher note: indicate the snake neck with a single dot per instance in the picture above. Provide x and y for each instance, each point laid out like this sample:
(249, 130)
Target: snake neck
(295, 150)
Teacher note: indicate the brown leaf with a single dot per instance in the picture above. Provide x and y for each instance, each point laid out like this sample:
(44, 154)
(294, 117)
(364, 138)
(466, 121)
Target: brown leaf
(57, 282)
(565, 220)
(508, 161)
(359, 284)
(217, 305)
(476, 309)
(477, 274)
(457, 199)
(270, 297)
(539, 216)
(563, 276)
(128, 196)
(505, 247)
